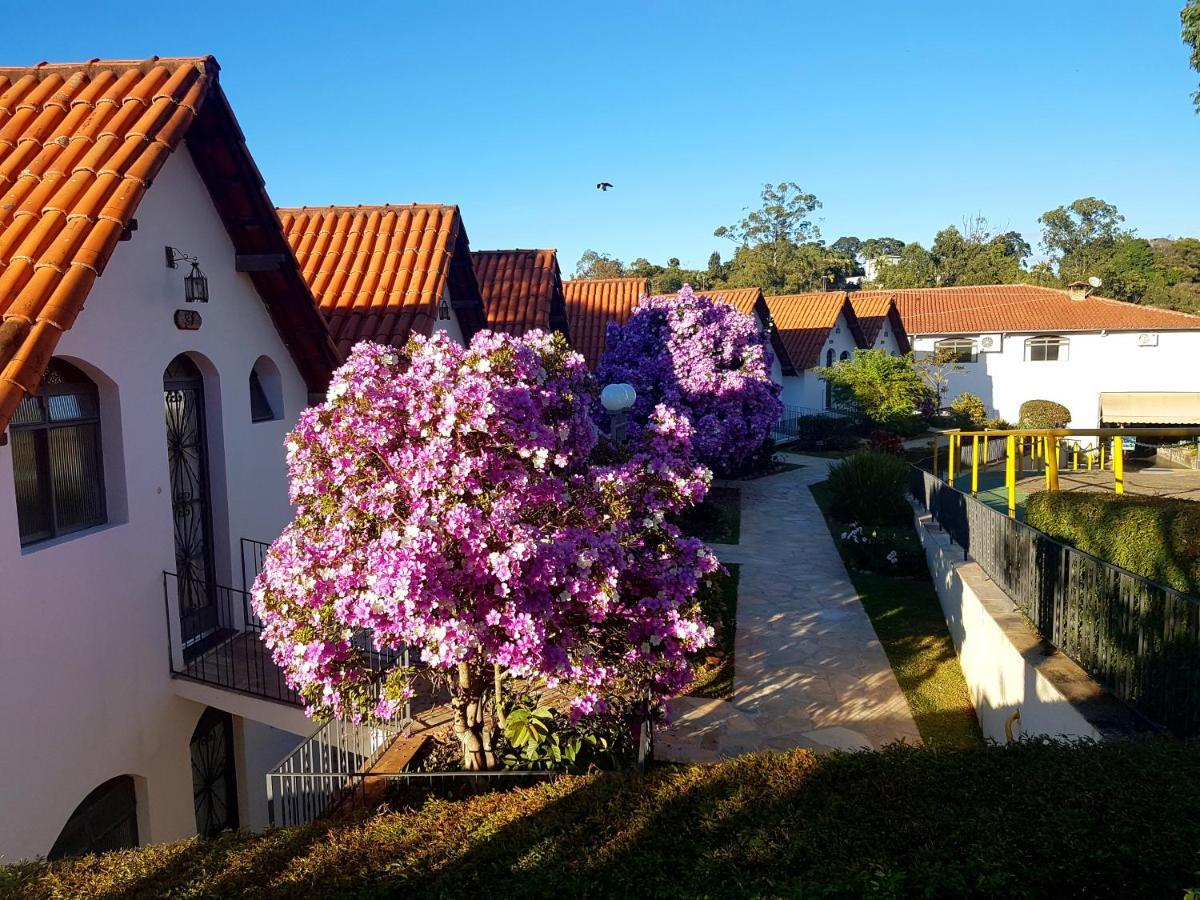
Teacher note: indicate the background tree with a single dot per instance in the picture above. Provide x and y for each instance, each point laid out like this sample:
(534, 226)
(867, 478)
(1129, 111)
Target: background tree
(1080, 237)
(1189, 17)
(873, 248)
(598, 265)
(914, 269)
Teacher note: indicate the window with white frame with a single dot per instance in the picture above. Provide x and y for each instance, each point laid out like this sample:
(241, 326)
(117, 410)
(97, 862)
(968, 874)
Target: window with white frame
(1046, 348)
(58, 464)
(959, 350)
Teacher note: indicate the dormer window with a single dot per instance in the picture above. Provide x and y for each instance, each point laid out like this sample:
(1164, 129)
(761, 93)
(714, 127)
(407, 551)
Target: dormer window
(1047, 348)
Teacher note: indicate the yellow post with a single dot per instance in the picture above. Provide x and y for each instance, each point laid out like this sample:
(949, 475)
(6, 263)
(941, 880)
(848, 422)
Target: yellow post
(1075, 458)
(1010, 476)
(1091, 457)
(951, 464)
(974, 465)
(1118, 463)
(935, 456)
(1100, 441)
(1052, 464)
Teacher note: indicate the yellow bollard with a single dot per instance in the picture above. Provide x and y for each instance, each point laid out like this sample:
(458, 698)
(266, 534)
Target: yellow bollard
(1118, 464)
(1075, 458)
(975, 465)
(1101, 443)
(1091, 457)
(952, 462)
(1052, 464)
(1010, 476)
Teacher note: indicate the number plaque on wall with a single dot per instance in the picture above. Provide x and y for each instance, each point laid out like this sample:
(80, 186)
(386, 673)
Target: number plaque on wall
(187, 320)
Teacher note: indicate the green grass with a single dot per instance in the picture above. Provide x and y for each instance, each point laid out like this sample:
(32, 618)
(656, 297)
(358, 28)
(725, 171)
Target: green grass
(718, 603)
(912, 630)
(718, 520)
(1034, 819)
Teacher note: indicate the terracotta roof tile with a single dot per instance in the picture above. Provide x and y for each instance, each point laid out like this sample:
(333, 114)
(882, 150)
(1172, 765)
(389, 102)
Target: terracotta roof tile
(593, 303)
(873, 308)
(743, 300)
(805, 320)
(521, 289)
(379, 272)
(80, 145)
(1025, 308)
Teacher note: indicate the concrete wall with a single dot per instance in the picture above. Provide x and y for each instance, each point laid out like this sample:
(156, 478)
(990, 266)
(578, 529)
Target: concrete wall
(85, 692)
(1096, 363)
(1007, 667)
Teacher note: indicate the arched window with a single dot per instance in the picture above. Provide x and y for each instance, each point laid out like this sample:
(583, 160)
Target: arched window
(959, 350)
(105, 820)
(829, 357)
(214, 781)
(845, 355)
(266, 391)
(58, 464)
(1047, 348)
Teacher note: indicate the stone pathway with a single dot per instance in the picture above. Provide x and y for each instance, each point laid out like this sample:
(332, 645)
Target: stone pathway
(808, 668)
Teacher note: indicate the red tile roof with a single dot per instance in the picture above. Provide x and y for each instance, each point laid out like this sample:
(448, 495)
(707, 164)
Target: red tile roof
(744, 300)
(1024, 308)
(873, 308)
(805, 320)
(521, 289)
(80, 145)
(379, 272)
(593, 303)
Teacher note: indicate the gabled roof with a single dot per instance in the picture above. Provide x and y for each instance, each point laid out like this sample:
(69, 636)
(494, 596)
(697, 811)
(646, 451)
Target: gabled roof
(805, 320)
(593, 303)
(80, 144)
(521, 289)
(1025, 308)
(379, 272)
(873, 308)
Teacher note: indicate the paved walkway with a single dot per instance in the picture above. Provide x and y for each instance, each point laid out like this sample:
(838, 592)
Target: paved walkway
(808, 668)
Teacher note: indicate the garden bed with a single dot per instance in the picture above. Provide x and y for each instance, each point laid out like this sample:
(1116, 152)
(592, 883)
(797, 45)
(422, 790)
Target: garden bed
(903, 607)
(1034, 819)
(718, 520)
(714, 665)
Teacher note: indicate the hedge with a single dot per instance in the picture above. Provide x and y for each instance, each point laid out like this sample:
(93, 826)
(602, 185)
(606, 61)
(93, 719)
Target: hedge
(1044, 414)
(1034, 819)
(1156, 537)
(868, 487)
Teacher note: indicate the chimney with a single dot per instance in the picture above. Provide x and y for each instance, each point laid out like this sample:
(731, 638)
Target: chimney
(1079, 290)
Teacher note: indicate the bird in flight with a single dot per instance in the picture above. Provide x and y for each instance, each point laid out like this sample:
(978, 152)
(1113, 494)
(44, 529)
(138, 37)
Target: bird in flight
(603, 185)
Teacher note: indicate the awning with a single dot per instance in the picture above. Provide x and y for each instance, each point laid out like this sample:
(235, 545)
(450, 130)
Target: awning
(1147, 408)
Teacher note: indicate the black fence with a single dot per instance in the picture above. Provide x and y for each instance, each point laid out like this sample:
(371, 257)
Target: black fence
(813, 428)
(1139, 639)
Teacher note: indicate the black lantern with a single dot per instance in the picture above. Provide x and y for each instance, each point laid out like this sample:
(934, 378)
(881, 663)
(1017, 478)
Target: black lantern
(444, 310)
(195, 284)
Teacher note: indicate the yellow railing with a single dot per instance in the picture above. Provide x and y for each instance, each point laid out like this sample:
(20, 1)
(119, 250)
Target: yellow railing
(1054, 448)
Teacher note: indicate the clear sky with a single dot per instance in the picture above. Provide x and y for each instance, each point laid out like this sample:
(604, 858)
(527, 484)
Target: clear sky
(901, 117)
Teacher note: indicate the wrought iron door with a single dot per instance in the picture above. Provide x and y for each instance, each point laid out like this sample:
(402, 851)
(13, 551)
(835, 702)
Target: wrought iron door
(214, 779)
(187, 455)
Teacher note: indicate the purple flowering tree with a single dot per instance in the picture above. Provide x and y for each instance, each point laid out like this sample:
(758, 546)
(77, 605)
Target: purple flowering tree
(705, 360)
(447, 501)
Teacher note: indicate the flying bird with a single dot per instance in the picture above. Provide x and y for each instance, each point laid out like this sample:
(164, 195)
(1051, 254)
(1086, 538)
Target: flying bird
(603, 185)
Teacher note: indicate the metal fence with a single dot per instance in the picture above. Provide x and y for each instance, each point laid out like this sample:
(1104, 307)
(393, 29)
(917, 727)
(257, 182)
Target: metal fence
(801, 423)
(1139, 639)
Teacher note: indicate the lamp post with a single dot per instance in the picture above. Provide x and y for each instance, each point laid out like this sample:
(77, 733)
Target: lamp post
(616, 400)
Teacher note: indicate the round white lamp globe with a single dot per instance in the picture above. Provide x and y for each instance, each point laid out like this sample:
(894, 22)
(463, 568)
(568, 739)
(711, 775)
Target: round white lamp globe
(617, 397)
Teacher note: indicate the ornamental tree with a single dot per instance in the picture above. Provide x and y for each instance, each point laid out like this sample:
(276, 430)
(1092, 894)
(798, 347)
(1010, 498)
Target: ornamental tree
(705, 360)
(447, 501)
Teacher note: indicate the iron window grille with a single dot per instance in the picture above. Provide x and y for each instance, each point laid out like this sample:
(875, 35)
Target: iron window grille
(58, 463)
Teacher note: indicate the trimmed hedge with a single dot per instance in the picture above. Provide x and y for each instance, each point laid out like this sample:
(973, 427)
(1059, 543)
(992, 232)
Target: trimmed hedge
(1156, 537)
(1044, 414)
(1034, 819)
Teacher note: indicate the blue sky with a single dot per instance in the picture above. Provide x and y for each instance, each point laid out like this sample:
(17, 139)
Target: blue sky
(901, 118)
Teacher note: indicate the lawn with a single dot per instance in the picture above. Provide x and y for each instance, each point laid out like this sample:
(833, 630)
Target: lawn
(912, 629)
(714, 669)
(718, 520)
(1034, 819)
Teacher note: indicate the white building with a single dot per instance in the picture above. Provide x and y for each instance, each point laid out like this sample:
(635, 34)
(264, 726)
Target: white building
(1107, 361)
(819, 329)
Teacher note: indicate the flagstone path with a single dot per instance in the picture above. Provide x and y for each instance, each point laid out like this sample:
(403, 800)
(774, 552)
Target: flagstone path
(808, 668)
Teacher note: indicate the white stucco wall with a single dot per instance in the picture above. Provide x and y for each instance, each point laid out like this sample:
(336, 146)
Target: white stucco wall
(1096, 363)
(450, 326)
(85, 692)
(807, 389)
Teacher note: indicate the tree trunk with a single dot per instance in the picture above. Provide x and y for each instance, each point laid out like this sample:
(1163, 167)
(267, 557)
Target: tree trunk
(468, 701)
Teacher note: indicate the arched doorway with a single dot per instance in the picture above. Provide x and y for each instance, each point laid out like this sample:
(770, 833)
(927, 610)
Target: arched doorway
(105, 820)
(187, 456)
(214, 778)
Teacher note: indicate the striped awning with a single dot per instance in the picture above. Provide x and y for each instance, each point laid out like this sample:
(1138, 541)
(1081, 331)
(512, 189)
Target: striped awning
(1150, 408)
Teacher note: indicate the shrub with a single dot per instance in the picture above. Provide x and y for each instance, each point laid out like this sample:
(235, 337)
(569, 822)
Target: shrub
(998, 424)
(1044, 414)
(1156, 537)
(968, 411)
(869, 487)
(888, 389)
(826, 433)
(886, 442)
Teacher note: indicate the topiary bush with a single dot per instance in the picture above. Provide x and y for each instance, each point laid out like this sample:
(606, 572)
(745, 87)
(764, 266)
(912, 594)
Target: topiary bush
(869, 487)
(1155, 537)
(1044, 414)
(968, 411)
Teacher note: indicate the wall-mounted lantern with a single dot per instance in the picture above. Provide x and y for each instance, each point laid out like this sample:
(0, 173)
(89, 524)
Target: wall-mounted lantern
(195, 284)
(444, 310)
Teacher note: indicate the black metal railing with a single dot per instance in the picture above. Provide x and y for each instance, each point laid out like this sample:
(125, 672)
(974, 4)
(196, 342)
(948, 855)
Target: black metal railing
(1138, 638)
(254, 554)
(801, 423)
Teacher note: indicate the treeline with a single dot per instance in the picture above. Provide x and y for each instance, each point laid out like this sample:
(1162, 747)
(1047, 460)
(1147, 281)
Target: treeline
(779, 248)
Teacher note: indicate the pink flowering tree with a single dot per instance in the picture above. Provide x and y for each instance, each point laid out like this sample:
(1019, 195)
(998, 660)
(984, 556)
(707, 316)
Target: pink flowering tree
(705, 360)
(447, 501)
